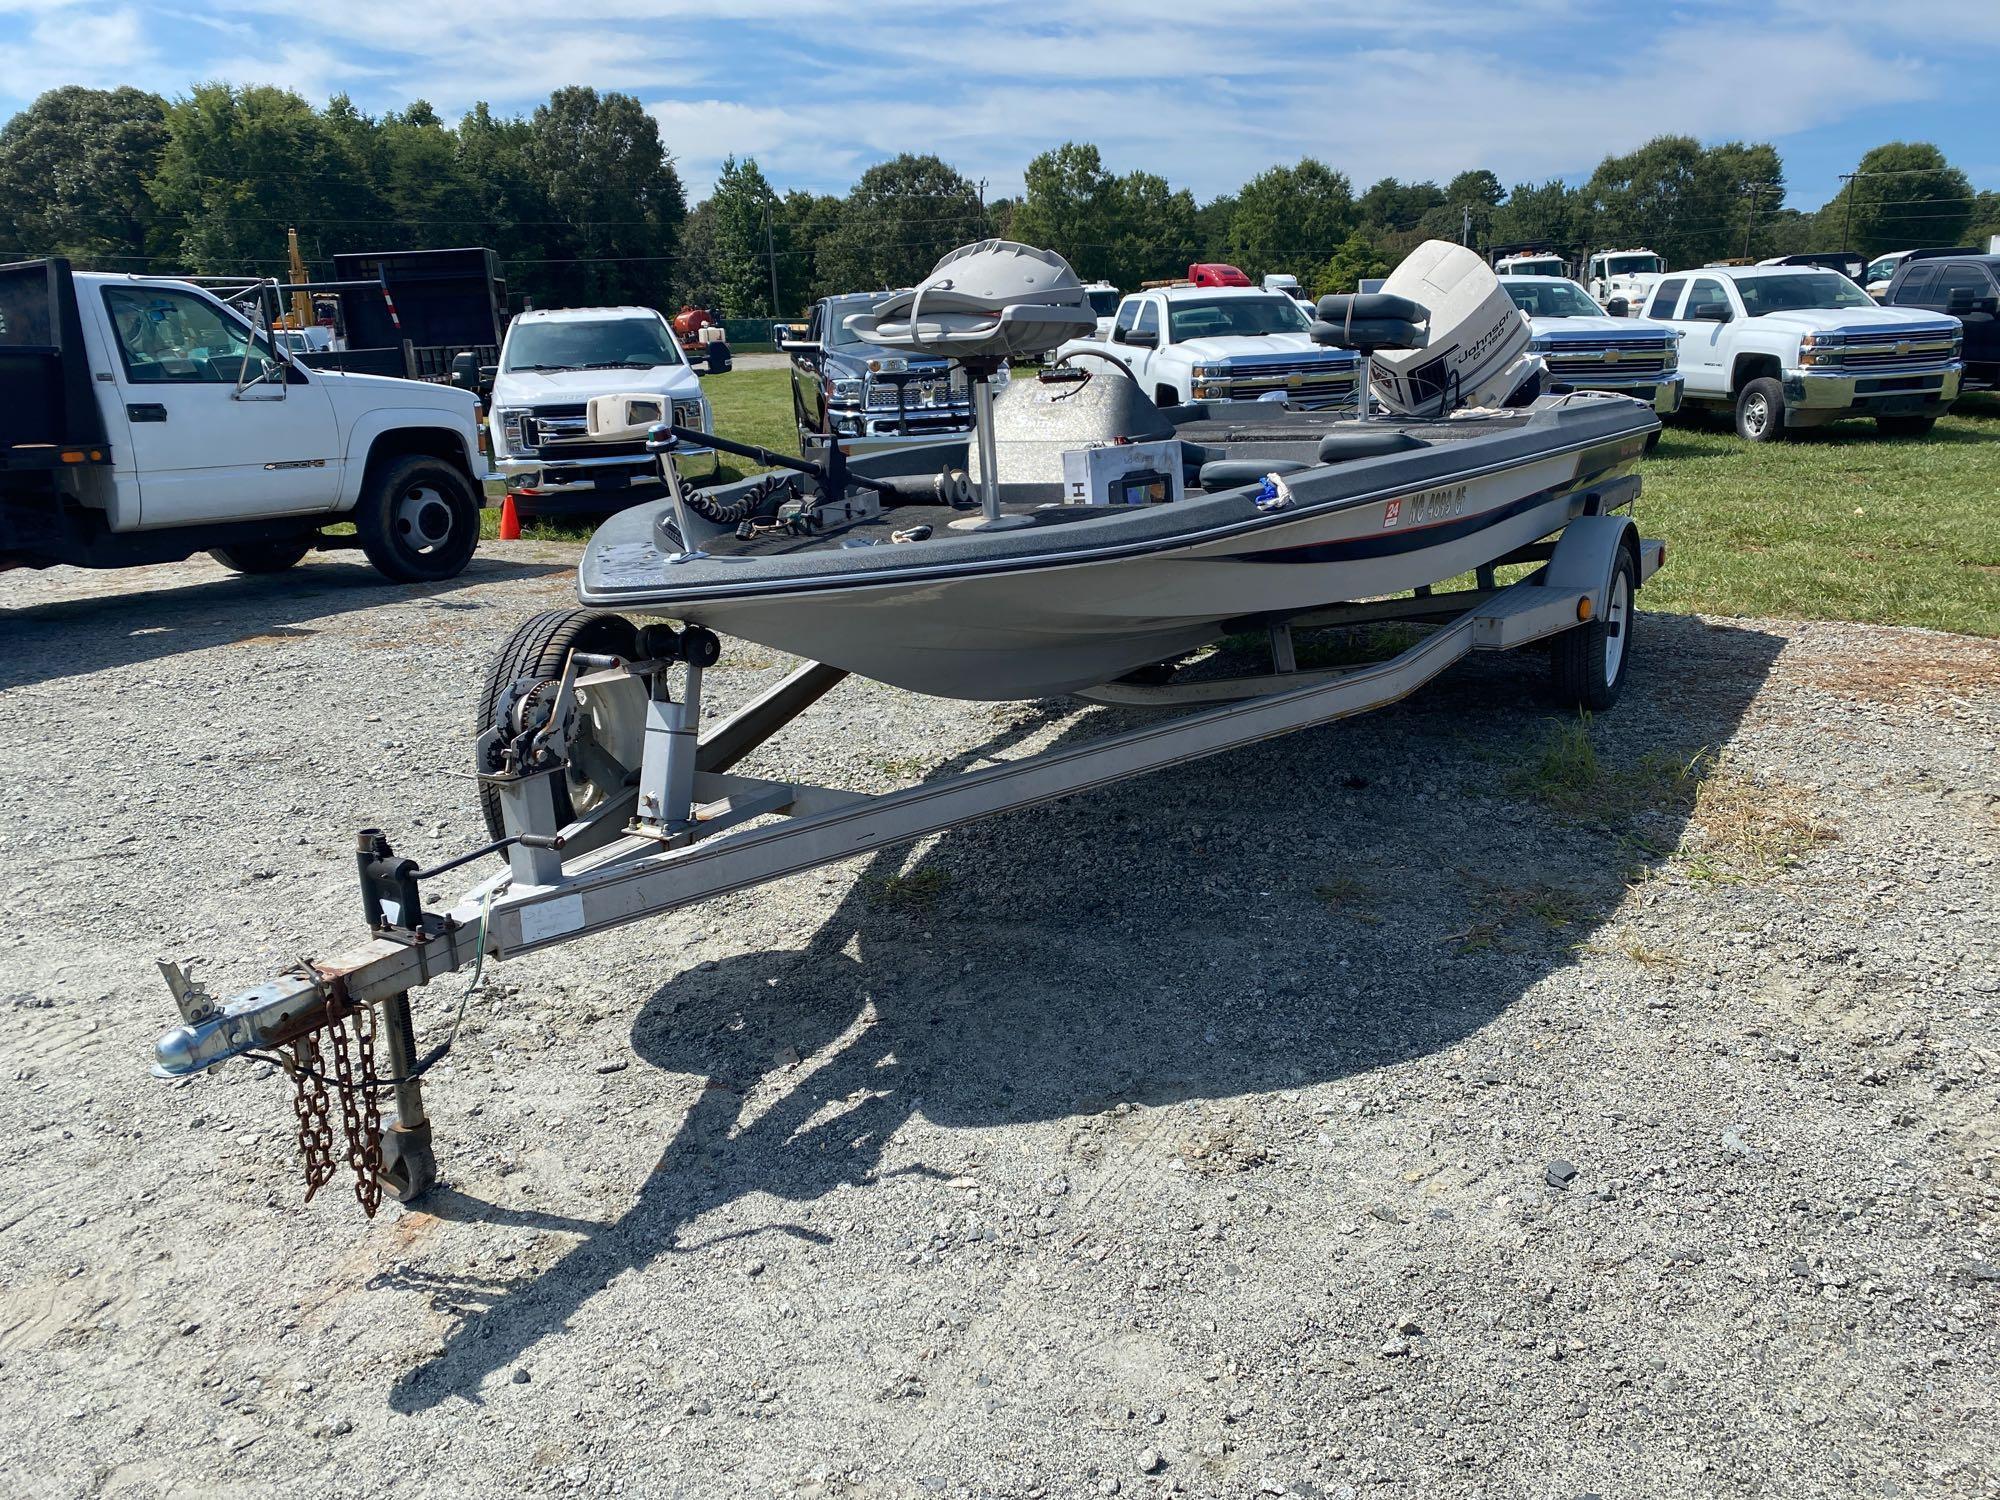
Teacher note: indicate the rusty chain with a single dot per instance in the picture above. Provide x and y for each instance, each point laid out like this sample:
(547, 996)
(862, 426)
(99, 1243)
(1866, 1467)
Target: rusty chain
(357, 1084)
(309, 1104)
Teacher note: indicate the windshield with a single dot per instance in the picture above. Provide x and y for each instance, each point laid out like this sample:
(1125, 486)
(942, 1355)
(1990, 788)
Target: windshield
(1549, 267)
(1815, 289)
(1634, 265)
(1104, 303)
(599, 344)
(1237, 317)
(838, 334)
(1551, 299)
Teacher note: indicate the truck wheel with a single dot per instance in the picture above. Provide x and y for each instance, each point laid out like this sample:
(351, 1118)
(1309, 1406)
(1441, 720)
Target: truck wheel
(1588, 663)
(1905, 427)
(1760, 411)
(263, 557)
(611, 722)
(418, 520)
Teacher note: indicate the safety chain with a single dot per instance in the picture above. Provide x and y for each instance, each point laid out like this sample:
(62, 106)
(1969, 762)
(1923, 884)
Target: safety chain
(358, 1114)
(309, 1104)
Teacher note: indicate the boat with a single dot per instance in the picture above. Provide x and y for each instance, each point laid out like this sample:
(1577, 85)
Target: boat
(1083, 533)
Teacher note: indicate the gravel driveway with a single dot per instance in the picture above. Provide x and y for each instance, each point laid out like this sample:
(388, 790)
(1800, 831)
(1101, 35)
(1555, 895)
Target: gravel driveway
(1442, 1104)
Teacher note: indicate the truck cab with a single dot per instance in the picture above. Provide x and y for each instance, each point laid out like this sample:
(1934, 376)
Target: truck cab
(1793, 347)
(143, 419)
(1959, 284)
(1196, 343)
(866, 398)
(1622, 276)
(551, 366)
(1531, 263)
(1587, 351)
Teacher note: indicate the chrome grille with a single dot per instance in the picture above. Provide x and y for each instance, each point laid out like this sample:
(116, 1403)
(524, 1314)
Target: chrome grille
(1883, 353)
(1633, 360)
(918, 395)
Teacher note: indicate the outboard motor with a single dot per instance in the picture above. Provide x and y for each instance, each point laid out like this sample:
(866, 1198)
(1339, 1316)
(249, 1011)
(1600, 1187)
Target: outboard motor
(1474, 351)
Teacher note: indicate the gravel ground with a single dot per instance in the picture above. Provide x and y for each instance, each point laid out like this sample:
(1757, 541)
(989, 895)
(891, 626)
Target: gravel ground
(1397, 1109)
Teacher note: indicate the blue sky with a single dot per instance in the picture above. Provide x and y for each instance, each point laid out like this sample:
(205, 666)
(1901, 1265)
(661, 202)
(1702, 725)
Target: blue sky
(818, 91)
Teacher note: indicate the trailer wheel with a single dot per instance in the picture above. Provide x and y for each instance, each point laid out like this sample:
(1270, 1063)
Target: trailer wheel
(409, 1165)
(418, 519)
(1760, 411)
(1588, 663)
(611, 724)
(263, 557)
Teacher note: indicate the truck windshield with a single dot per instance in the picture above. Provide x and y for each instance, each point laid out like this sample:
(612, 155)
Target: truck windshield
(1551, 299)
(1104, 303)
(1235, 317)
(1814, 289)
(1634, 265)
(838, 334)
(1549, 267)
(598, 344)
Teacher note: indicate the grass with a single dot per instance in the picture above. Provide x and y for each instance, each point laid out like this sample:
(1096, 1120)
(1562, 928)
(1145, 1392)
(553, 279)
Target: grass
(1839, 524)
(916, 892)
(1567, 774)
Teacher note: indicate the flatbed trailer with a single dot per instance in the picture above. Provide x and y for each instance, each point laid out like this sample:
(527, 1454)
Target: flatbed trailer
(676, 824)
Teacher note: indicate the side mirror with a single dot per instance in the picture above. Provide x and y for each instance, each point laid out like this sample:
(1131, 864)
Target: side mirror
(1144, 338)
(1959, 301)
(1618, 307)
(1710, 312)
(465, 371)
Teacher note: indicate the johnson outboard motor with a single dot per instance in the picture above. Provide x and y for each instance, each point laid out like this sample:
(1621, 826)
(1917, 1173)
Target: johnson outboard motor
(1471, 351)
(981, 306)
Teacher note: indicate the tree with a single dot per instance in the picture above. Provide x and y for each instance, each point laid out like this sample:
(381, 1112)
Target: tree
(1903, 195)
(1985, 218)
(73, 170)
(1214, 222)
(741, 208)
(613, 190)
(1067, 207)
(901, 218)
(1552, 211)
(1154, 230)
(806, 221)
(1392, 205)
(1355, 260)
(1291, 217)
(1688, 202)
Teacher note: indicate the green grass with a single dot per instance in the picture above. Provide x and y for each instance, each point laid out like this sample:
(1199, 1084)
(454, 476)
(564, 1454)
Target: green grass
(1839, 524)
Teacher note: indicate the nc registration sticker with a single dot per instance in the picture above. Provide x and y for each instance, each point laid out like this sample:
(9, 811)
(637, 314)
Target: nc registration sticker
(1392, 512)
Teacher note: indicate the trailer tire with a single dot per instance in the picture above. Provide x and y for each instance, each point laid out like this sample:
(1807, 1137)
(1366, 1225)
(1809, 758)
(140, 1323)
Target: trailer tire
(541, 648)
(1587, 665)
(418, 519)
(1760, 411)
(263, 557)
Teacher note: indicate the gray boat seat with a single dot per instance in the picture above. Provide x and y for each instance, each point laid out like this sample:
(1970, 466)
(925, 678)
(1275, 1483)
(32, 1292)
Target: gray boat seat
(1369, 321)
(1366, 442)
(1228, 473)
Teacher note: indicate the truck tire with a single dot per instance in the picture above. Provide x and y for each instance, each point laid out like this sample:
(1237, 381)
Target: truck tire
(1587, 664)
(1760, 411)
(418, 519)
(1905, 427)
(540, 648)
(263, 557)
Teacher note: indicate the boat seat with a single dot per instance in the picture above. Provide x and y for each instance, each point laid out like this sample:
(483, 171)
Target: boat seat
(1366, 442)
(1228, 473)
(1369, 321)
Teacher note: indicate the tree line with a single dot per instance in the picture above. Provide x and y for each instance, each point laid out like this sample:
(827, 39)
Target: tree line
(583, 201)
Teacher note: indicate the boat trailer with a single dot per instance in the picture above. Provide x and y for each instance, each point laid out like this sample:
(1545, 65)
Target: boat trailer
(680, 825)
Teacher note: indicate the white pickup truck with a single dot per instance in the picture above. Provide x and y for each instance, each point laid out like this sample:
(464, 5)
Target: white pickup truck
(551, 366)
(1790, 347)
(143, 420)
(1221, 343)
(1586, 350)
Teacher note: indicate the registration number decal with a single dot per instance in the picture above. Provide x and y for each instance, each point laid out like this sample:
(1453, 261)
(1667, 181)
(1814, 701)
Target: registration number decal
(1425, 508)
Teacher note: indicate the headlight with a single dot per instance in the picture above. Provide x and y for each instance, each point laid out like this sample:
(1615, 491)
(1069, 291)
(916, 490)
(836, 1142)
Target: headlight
(510, 419)
(1209, 372)
(848, 392)
(1670, 355)
(1538, 346)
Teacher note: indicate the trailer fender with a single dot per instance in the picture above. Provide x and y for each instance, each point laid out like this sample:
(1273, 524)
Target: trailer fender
(388, 432)
(1587, 552)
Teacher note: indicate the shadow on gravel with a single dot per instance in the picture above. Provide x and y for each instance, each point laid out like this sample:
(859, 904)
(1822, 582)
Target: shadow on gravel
(1289, 914)
(47, 642)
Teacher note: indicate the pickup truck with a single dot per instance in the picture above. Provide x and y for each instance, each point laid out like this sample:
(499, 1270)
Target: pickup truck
(866, 398)
(1197, 343)
(1587, 351)
(551, 365)
(1963, 284)
(1790, 347)
(143, 420)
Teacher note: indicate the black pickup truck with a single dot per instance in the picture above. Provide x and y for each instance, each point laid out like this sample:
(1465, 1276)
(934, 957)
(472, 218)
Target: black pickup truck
(1966, 285)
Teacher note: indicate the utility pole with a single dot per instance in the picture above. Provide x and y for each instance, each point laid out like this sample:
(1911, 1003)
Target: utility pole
(1847, 220)
(1751, 190)
(771, 254)
(1465, 233)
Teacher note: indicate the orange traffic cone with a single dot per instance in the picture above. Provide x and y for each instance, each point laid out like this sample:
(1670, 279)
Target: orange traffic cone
(510, 520)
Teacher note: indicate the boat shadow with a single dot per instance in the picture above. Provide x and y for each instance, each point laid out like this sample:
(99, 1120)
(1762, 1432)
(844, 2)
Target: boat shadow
(1283, 916)
(45, 642)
